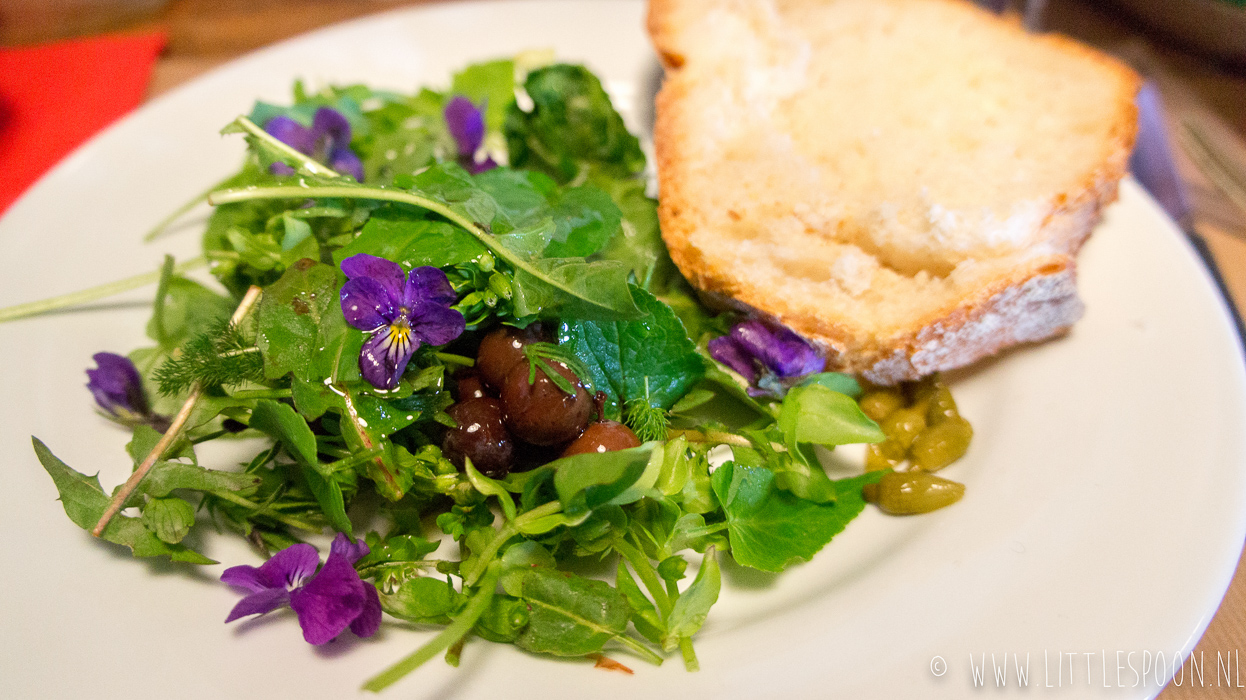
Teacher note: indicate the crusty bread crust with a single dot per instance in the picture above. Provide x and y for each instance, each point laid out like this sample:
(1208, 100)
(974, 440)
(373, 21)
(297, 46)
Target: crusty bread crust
(1034, 300)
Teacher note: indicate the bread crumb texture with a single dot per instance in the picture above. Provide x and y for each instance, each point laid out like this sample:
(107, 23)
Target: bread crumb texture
(904, 182)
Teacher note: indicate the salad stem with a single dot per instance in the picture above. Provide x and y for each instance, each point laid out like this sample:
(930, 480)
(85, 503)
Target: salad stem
(451, 634)
(175, 428)
(381, 194)
(265, 510)
(640, 564)
(690, 655)
(43, 306)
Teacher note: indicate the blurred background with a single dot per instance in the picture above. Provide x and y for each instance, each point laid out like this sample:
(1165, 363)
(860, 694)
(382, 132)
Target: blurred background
(1193, 52)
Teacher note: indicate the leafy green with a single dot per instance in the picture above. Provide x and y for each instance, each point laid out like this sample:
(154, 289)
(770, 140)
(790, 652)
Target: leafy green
(586, 481)
(570, 615)
(770, 529)
(297, 321)
(651, 358)
(287, 426)
(571, 127)
(692, 606)
(85, 502)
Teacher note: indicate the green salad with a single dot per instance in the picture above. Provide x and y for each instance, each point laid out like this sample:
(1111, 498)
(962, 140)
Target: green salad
(452, 317)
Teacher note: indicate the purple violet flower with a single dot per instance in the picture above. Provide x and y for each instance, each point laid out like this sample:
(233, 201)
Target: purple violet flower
(400, 311)
(466, 122)
(766, 355)
(118, 390)
(328, 141)
(326, 602)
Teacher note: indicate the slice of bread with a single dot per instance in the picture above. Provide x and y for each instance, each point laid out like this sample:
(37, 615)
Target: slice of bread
(904, 182)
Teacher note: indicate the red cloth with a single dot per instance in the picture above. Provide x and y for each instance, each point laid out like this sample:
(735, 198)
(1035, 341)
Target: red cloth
(55, 96)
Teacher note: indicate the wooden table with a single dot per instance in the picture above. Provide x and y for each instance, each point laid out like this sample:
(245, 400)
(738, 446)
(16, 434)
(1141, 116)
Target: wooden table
(206, 33)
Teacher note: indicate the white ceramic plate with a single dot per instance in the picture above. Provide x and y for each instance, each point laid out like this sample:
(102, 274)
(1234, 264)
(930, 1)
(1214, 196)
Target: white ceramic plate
(1103, 514)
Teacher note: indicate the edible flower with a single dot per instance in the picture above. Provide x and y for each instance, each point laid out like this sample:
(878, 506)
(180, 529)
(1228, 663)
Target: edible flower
(400, 311)
(326, 602)
(466, 122)
(118, 390)
(766, 356)
(328, 141)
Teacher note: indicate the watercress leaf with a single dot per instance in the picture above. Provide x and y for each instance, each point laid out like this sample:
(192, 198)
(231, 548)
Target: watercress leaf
(403, 235)
(574, 288)
(424, 600)
(645, 616)
(690, 609)
(85, 503)
(168, 518)
(649, 358)
(284, 424)
(289, 317)
(645, 483)
(818, 415)
(585, 481)
(570, 615)
(770, 529)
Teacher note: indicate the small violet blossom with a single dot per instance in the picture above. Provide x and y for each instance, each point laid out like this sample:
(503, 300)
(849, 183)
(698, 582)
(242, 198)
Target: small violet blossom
(326, 602)
(118, 390)
(399, 311)
(327, 140)
(467, 125)
(766, 355)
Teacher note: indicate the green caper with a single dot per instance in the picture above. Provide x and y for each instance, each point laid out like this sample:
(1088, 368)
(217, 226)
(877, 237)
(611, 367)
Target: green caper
(883, 455)
(941, 406)
(916, 491)
(903, 425)
(941, 444)
(878, 404)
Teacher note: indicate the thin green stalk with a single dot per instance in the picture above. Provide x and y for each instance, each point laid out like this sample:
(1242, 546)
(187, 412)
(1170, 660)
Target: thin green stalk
(641, 650)
(162, 290)
(451, 634)
(690, 655)
(642, 567)
(260, 393)
(64, 301)
(311, 165)
(263, 510)
(403, 197)
(452, 359)
(181, 211)
(509, 530)
(354, 460)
